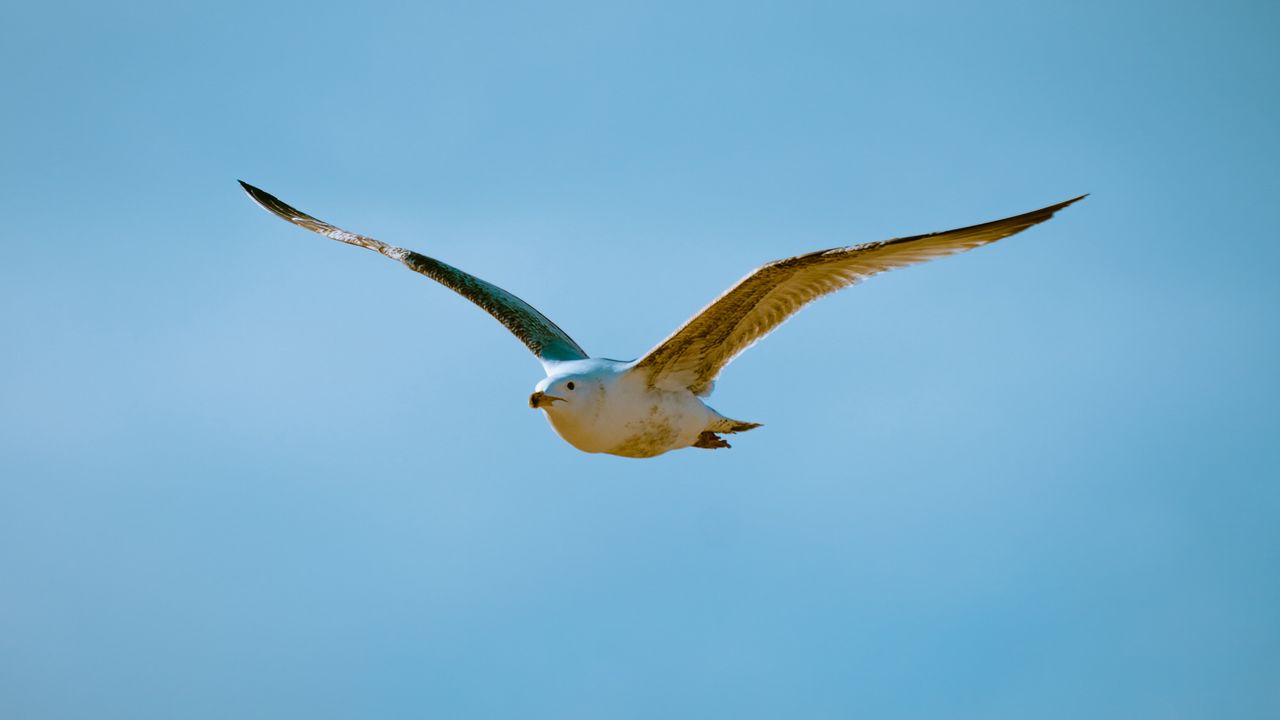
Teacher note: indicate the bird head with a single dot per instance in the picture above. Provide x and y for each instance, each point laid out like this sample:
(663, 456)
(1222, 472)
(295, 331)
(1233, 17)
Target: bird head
(562, 393)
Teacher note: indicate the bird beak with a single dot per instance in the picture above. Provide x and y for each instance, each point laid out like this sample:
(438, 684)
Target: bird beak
(537, 399)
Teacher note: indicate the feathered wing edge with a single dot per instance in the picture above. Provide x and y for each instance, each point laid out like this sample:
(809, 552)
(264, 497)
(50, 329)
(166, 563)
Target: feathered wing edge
(692, 356)
(544, 338)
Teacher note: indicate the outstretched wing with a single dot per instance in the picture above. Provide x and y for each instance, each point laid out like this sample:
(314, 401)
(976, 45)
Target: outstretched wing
(693, 356)
(547, 341)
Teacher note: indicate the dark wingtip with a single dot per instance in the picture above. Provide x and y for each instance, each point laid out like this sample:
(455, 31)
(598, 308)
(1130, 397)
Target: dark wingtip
(252, 191)
(255, 193)
(1036, 217)
(269, 202)
(1072, 201)
(284, 211)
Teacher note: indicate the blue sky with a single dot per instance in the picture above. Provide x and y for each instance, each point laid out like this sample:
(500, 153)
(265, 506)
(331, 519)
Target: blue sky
(248, 472)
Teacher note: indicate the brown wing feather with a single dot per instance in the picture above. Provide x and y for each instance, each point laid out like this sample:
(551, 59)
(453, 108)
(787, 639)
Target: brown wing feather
(694, 355)
(543, 337)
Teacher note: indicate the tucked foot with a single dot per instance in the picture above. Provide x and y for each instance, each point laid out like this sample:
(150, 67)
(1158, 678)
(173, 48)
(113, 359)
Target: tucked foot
(710, 441)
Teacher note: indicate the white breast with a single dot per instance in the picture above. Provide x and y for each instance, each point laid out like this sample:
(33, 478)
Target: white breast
(628, 418)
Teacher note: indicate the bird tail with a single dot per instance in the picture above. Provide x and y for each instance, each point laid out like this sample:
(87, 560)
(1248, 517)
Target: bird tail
(725, 425)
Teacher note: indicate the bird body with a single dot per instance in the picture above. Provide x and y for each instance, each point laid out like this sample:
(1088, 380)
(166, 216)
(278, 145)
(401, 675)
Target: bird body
(606, 406)
(653, 405)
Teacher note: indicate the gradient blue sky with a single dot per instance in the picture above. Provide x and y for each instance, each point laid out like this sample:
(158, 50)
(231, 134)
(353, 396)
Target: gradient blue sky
(247, 472)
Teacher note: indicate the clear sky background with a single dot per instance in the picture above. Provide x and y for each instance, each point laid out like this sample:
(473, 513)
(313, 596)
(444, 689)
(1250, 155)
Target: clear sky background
(248, 472)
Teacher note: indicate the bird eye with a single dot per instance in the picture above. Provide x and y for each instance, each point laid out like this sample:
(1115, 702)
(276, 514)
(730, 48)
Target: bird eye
(570, 385)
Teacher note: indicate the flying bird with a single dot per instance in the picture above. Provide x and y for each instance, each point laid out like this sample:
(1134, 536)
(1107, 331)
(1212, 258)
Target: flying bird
(653, 405)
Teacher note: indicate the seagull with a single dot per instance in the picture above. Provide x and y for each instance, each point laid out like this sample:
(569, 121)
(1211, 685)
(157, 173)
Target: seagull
(650, 406)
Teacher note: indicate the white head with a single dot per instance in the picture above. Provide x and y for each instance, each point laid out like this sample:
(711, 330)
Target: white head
(565, 394)
(576, 398)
